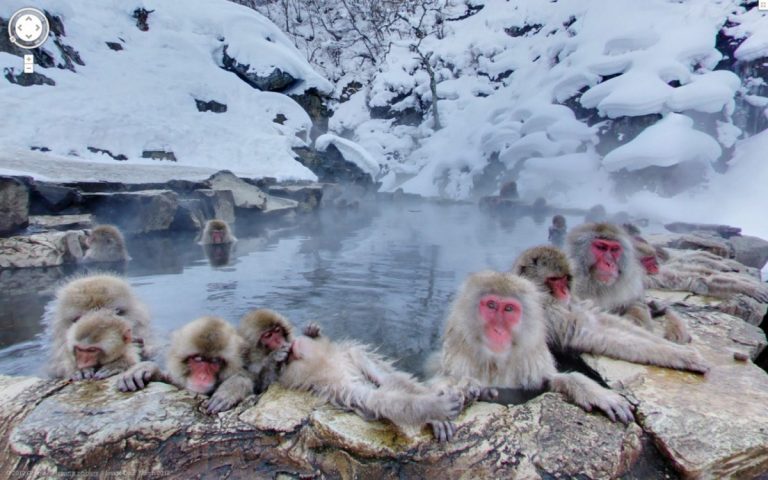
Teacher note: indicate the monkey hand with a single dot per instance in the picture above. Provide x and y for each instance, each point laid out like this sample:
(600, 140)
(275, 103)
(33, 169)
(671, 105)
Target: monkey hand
(83, 374)
(105, 372)
(449, 404)
(443, 430)
(692, 361)
(612, 404)
(219, 402)
(477, 393)
(678, 333)
(312, 330)
(137, 377)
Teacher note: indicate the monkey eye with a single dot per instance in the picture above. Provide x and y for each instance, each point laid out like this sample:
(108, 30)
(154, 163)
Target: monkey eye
(197, 358)
(491, 304)
(74, 320)
(509, 308)
(120, 311)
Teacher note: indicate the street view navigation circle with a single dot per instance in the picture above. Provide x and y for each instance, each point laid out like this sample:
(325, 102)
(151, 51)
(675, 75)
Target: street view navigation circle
(28, 28)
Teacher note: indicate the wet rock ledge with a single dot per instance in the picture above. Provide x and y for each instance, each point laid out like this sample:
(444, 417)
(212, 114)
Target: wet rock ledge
(688, 426)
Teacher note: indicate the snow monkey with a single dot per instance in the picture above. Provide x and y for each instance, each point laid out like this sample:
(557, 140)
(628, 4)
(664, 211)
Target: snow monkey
(206, 357)
(496, 335)
(90, 294)
(351, 376)
(577, 325)
(105, 244)
(216, 232)
(557, 231)
(607, 271)
(702, 273)
(268, 337)
(98, 346)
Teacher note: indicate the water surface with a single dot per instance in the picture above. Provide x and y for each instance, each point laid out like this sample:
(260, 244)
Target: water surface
(383, 274)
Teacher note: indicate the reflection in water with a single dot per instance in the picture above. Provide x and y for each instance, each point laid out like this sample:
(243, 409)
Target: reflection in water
(384, 276)
(218, 253)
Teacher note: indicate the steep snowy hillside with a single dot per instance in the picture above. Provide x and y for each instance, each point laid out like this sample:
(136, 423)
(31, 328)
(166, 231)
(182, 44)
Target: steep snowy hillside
(160, 95)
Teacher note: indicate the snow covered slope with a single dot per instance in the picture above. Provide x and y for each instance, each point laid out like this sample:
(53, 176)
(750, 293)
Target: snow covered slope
(143, 97)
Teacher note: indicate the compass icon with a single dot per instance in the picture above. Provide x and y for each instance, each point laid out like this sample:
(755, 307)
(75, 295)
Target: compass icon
(28, 28)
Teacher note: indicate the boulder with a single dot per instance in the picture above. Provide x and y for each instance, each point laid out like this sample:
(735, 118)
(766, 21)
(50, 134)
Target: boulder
(42, 249)
(750, 251)
(51, 198)
(709, 426)
(203, 205)
(14, 205)
(725, 231)
(248, 196)
(135, 212)
(309, 196)
(61, 222)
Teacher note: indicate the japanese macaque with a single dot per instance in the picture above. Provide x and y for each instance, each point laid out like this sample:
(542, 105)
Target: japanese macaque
(268, 337)
(698, 273)
(105, 244)
(577, 325)
(351, 376)
(99, 346)
(607, 271)
(89, 294)
(216, 232)
(558, 230)
(205, 357)
(496, 335)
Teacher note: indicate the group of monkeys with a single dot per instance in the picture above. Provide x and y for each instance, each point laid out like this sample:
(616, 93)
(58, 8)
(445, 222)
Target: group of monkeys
(500, 333)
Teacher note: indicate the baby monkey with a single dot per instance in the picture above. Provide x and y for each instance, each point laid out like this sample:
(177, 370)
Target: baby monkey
(99, 346)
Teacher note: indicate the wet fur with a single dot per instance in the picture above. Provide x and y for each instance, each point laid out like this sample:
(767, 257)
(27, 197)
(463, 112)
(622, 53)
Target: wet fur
(528, 363)
(582, 327)
(106, 245)
(94, 292)
(351, 376)
(263, 365)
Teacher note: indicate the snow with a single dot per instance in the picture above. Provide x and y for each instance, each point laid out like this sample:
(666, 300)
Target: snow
(143, 97)
(670, 141)
(351, 152)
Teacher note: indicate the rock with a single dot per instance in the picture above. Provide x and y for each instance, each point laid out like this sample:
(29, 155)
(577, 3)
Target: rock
(331, 167)
(750, 251)
(249, 196)
(135, 212)
(163, 431)
(696, 241)
(309, 196)
(710, 426)
(42, 249)
(49, 198)
(724, 231)
(61, 222)
(14, 205)
(275, 81)
(202, 206)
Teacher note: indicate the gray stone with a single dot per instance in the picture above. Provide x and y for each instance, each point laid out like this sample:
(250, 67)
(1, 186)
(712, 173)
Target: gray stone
(750, 251)
(249, 196)
(14, 205)
(135, 212)
(61, 222)
(48, 249)
(52, 198)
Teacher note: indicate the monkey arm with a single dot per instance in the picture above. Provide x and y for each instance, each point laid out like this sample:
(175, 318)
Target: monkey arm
(588, 394)
(638, 312)
(723, 285)
(271, 367)
(113, 368)
(675, 328)
(617, 338)
(138, 377)
(231, 392)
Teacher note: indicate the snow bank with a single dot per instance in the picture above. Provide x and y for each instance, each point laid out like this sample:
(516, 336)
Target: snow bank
(669, 141)
(142, 98)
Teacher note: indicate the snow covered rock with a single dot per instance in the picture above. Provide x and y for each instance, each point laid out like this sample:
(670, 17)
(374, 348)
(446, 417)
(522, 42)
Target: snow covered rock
(14, 205)
(249, 196)
(42, 249)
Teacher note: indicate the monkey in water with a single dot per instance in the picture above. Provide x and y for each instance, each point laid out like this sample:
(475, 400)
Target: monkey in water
(93, 293)
(577, 325)
(217, 232)
(105, 244)
(98, 346)
(557, 231)
(268, 337)
(205, 357)
(351, 376)
(496, 335)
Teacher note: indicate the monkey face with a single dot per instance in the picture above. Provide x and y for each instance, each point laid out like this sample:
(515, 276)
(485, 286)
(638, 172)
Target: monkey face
(499, 316)
(650, 264)
(203, 373)
(558, 287)
(87, 357)
(606, 254)
(273, 338)
(217, 236)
